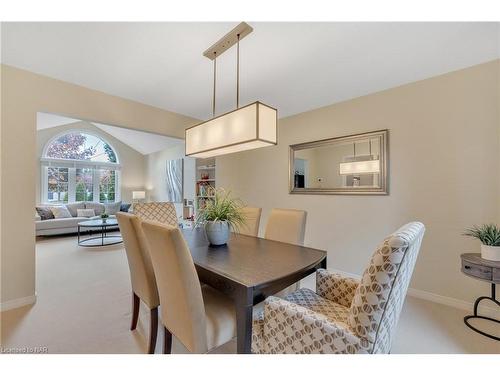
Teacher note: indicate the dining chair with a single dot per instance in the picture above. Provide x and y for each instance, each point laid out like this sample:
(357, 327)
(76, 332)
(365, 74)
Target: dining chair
(286, 225)
(200, 317)
(141, 273)
(162, 212)
(252, 221)
(345, 315)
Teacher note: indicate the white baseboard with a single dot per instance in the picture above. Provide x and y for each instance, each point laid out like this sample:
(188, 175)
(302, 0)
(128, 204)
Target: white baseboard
(443, 300)
(19, 302)
(453, 302)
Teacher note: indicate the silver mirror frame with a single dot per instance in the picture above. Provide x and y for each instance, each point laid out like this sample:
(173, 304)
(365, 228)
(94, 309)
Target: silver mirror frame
(384, 171)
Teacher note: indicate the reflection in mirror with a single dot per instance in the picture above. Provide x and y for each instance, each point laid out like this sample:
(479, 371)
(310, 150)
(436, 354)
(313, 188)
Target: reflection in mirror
(352, 164)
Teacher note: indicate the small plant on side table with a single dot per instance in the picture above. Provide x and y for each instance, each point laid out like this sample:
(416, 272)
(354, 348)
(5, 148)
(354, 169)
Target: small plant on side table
(489, 235)
(104, 217)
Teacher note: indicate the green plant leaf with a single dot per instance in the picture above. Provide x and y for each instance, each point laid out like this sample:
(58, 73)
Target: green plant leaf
(222, 208)
(488, 234)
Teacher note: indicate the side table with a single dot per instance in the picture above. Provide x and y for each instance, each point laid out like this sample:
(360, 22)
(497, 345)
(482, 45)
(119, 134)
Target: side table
(486, 270)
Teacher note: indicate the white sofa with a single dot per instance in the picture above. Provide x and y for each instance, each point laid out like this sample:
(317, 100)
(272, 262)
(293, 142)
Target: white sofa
(51, 227)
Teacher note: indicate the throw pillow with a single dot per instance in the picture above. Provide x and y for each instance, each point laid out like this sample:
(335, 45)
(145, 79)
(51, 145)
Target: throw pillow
(97, 207)
(112, 208)
(74, 207)
(45, 213)
(125, 207)
(85, 212)
(60, 212)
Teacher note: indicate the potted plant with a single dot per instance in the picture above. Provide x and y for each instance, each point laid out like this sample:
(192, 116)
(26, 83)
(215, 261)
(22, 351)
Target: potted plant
(220, 214)
(104, 217)
(489, 235)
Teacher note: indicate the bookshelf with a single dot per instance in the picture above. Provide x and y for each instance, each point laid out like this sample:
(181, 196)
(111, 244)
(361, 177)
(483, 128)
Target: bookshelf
(205, 178)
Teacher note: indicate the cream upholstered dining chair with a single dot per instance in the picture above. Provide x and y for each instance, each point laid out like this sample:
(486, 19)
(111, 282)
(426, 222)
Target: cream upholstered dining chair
(199, 316)
(252, 221)
(162, 212)
(286, 225)
(141, 273)
(344, 315)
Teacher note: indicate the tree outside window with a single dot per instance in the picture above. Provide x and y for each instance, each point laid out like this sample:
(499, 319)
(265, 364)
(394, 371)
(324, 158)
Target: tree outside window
(57, 185)
(90, 179)
(84, 185)
(107, 183)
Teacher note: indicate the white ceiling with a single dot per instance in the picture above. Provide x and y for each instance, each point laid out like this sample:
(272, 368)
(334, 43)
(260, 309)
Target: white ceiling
(48, 120)
(143, 142)
(292, 66)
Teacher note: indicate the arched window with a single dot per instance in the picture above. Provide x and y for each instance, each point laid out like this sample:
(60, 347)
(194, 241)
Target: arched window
(79, 166)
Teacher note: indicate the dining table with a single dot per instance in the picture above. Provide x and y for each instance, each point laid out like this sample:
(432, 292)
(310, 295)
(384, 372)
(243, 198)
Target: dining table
(249, 269)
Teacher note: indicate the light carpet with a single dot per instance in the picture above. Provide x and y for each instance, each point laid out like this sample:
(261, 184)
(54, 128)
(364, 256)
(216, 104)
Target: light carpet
(84, 306)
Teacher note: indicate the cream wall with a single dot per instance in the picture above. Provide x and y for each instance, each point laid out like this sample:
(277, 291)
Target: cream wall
(444, 171)
(155, 175)
(23, 95)
(132, 172)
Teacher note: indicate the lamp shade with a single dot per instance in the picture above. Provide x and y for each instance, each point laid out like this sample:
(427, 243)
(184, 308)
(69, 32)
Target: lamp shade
(360, 167)
(138, 195)
(245, 128)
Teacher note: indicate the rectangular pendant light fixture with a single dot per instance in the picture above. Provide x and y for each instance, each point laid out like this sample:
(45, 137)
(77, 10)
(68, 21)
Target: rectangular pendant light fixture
(245, 128)
(360, 167)
(249, 127)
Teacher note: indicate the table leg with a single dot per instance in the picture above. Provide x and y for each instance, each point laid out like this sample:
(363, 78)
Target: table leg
(323, 264)
(78, 234)
(102, 236)
(244, 313)
(477, 316)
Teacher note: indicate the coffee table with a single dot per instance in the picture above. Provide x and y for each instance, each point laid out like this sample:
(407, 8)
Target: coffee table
(99, 225)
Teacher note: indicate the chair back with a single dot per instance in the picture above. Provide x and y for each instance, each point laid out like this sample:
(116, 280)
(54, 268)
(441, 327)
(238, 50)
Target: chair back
(379, 298)
(139, 261)
(162, 212)
(286, 225)
(183, 311)
(252, 221)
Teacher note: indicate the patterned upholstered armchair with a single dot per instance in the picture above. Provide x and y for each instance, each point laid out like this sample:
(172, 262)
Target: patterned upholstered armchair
(162, 212)
(344, 315)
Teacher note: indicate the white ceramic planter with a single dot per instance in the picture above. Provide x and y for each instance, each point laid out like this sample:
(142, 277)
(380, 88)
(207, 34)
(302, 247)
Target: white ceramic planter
(490, 252)
(217, 232)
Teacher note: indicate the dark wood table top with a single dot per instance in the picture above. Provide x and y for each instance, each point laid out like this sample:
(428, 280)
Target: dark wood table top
(250, 261)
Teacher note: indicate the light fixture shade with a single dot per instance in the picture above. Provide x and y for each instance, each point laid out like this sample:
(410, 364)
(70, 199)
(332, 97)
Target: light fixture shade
(360, 167)
(245, 128)
(138, 195)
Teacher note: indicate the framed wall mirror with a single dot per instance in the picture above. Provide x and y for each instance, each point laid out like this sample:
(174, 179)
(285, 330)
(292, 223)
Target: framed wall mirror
(354, 164)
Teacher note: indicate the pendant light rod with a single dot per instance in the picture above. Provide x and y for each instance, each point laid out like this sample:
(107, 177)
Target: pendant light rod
(215, 81)
(223, 134)
(238, 73)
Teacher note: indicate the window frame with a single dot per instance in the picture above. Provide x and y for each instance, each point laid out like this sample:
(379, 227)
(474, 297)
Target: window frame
(74, 164)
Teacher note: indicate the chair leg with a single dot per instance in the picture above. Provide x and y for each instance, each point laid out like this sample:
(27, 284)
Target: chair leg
(135, 311)
(153, 330)
(167, 341)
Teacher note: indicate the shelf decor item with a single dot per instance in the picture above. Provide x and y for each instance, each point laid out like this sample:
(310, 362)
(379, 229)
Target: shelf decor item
(489, 235)
(220, 215)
